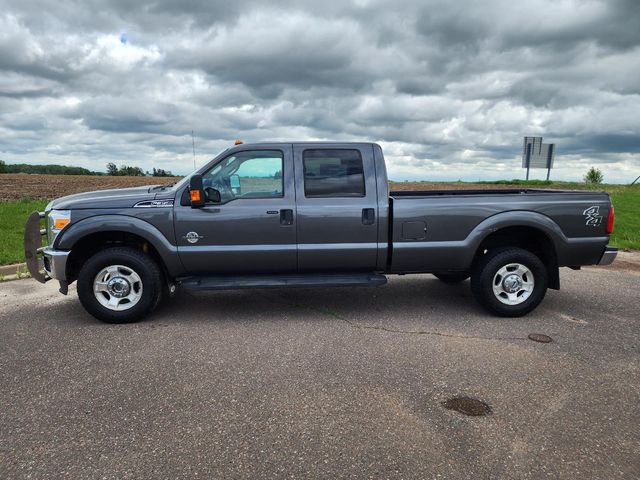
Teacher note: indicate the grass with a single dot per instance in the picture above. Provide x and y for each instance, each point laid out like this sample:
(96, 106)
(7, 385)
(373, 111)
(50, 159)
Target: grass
(626, 200)
(626, 232)
(13, 216)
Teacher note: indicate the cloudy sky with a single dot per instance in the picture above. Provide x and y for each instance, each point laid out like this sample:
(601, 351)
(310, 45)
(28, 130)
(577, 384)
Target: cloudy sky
(448, 88)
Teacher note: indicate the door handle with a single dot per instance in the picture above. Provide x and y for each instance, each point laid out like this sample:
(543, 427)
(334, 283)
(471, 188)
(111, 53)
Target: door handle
(286, 217)
(368, 216)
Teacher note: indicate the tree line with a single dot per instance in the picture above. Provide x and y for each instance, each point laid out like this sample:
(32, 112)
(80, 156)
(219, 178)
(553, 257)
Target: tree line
(112, 169)
(128, 171)
(44, 169)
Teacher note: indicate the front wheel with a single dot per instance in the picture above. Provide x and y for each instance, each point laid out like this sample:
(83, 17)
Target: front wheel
(509, 282)
(119, 285)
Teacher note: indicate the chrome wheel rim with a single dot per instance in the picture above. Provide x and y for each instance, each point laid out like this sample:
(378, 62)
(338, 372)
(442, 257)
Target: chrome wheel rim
(513, 284)
(117, 287)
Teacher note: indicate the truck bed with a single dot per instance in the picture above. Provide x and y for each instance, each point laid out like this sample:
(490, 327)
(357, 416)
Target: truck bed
(437, 229)
(492, 191)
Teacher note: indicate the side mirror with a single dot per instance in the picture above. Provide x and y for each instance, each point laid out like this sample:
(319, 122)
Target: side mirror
(212, 195)
(196, 193)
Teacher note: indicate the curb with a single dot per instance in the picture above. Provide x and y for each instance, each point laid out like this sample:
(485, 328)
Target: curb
(12, 269)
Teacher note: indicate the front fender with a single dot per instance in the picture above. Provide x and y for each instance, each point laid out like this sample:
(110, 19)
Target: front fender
(122, 223)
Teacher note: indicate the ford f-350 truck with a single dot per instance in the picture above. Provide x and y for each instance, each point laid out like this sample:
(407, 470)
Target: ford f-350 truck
(310, 214)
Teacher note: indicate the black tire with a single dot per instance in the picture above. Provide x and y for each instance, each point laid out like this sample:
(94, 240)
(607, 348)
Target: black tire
(490, 264)
(452, 277)
(142, 264)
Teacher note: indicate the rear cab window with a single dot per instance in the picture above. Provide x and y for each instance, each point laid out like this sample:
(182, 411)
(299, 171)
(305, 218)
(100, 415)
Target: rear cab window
(330, 173)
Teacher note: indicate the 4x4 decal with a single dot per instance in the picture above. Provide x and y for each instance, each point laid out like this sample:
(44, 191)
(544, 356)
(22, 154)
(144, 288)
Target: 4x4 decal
(593, 217)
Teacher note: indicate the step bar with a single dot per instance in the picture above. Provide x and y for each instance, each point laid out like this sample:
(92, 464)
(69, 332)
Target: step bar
(312, 280)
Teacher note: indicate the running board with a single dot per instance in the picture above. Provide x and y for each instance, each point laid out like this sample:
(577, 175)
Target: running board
(312, 280)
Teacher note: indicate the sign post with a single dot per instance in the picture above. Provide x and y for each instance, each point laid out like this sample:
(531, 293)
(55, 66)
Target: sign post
(536, 154)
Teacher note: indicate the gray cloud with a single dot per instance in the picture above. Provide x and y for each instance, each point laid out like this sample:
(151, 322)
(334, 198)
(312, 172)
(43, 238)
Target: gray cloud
(448, 88)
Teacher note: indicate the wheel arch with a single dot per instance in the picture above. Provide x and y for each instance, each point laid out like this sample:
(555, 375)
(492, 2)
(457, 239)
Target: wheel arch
(530, 231)
(92, 234)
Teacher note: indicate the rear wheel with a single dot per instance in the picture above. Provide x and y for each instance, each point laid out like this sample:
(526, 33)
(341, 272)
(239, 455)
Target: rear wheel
(452, 277)
(119, 285)
(509, 282)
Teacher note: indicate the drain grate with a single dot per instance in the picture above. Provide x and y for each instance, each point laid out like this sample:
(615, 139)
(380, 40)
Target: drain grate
(467, 406)
(539, 337)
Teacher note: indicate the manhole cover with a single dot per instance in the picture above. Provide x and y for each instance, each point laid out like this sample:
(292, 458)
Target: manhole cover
(539, 337)
(467, 406)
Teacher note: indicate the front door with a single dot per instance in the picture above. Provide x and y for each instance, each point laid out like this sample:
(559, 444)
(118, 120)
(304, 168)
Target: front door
(337, 212)
(253, 228)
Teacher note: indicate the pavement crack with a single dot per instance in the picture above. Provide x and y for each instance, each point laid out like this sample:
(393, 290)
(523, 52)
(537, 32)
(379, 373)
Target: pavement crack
(365, 326)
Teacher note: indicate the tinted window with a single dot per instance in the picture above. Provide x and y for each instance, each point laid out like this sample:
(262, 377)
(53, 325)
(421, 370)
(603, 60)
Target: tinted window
(253, 174)
(333, 173)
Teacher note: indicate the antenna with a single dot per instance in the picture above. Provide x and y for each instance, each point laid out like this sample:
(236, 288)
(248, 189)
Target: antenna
(193, 145)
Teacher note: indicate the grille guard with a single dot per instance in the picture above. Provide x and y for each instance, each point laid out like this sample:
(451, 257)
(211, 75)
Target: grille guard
(33, 247)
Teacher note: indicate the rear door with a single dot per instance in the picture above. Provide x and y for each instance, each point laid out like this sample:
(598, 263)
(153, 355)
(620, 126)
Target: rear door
(337, 213)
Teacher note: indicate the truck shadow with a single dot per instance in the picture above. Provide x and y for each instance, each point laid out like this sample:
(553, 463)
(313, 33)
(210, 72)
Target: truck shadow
(416, 297)
(411, 300)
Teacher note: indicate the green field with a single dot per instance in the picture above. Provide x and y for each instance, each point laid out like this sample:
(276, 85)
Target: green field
(13, 216)
(626, 200)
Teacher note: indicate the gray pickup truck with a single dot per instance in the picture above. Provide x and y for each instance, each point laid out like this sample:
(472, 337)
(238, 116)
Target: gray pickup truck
(310, 215)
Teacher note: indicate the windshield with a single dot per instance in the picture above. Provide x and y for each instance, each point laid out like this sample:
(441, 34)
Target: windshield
(186, 178)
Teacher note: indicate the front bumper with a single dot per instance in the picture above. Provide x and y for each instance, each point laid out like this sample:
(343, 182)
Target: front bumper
(55, 263)
(608, 256)
(44, 263)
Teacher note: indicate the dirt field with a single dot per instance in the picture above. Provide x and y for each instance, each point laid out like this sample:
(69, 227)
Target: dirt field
(14, 186)
(457, 186)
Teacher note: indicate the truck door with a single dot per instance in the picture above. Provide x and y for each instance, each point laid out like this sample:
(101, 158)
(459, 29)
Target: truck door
(253, 228)
(337, 214)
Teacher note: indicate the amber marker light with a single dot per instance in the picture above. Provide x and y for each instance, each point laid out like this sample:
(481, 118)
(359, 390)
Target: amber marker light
(238, 142)
(60, 223)
(195, 195)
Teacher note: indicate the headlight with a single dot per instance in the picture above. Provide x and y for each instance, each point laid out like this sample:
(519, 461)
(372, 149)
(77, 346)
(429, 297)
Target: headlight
(57, 220)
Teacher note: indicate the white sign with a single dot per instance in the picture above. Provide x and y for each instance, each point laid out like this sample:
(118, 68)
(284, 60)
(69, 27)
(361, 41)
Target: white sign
(536, 154)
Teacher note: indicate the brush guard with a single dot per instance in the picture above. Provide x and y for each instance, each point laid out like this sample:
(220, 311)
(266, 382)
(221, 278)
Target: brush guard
(33, 249)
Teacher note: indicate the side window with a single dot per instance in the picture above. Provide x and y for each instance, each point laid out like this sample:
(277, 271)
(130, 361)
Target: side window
(252, 174)
(333, 173)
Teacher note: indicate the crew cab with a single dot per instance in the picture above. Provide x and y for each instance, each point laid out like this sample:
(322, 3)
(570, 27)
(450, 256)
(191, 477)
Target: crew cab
(310, 214)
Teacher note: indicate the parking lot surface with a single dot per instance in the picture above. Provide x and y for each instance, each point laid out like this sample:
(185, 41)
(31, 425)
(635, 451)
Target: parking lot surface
(327, 383)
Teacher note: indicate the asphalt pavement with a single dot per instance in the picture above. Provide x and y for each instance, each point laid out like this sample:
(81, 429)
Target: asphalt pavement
(328, 383)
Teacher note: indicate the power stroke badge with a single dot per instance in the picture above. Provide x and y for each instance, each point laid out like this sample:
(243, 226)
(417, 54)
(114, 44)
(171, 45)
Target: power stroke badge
(192, 237)
(592, 216)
